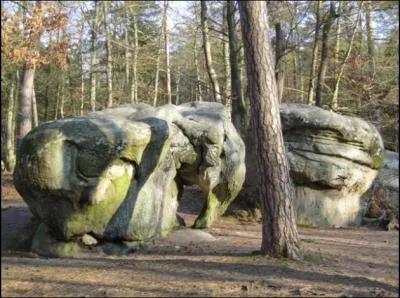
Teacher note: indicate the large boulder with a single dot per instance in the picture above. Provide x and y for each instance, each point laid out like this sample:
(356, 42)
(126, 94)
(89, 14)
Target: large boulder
(333, 160)
(118, 174)
(381, 201)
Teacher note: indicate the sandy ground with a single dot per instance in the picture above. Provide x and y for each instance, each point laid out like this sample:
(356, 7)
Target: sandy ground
(341, 262)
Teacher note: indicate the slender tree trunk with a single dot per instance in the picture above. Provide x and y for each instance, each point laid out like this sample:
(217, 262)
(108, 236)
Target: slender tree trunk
(166, 44)
(109, 58)
(178, 79)
(311, 84)
(346, 58)
(207, 53)
(227, 62)
(82, 70)
(134, 98)
(93, 62)
(24, 120)
(324, 55)
(57, 100)
(337, 37)
(370, 40)
(279, 231)
(239, 112)
(35, 116)
(196, 63)
(126, 36)
(157, 73)
(62, 95)
(10, 149)
(279, 63)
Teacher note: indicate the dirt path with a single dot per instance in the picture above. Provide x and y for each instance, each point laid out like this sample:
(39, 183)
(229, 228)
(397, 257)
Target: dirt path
(343, 262)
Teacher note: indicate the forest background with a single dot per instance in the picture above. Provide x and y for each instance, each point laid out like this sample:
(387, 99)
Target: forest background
(67, 58)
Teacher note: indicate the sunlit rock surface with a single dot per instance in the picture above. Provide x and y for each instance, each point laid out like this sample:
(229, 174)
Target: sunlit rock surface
(118, 174)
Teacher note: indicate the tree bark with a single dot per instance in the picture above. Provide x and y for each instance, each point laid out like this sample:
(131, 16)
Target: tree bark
(178, 79)
(166, 44)
(239, 112)
(227, 63)
(126, 36)
(62, 95)
(279, 63)
(207, 52)
(279, 231)
(311, 84)
(93, 62)
(324, 55)
(196, 63)
(35, 116)
(134, 96)
(109, 58)
(10, 149)
(157, 72)
(24, 120)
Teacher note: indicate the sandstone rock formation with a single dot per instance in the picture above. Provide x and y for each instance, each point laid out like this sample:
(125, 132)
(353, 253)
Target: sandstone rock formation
(118, 174)
(333, 161)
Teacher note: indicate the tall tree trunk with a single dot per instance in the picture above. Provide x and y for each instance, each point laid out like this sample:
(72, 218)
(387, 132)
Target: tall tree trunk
(62, 95)
(207, 52)
(24, 120)
(279, 231)
(314, 59)
(126, 36)
(370, 40)
(166, 44)
(109, 58)
(334, 101)
(178, 79)
(82, 70)
(134, 96)
(35, 116)
(227, 63)
(10, 149)
(239, 112)
(324, 55)
(93, 62)
(337, 37)
(157, 73)
(279, 63)
(196, 63)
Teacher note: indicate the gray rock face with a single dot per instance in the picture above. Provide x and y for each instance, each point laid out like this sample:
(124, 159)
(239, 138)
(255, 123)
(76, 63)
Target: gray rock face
(118, 174)
(333, 161)
(386, 180)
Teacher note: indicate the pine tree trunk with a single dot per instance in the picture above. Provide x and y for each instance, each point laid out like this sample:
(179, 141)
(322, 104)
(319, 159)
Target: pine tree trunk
(157, 77)
(134, 98)
(279, 231)
(24, 120)
(93, 62)
(62, 95)
(324, 55)
(227, 63)
(178, 79)
(109, 58)
(196, 63)
(207, 52)
(239, 112)
(166, 44)
(314, 60)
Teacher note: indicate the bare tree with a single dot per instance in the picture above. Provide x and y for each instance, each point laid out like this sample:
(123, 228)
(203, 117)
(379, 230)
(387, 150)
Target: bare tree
(134, 94)
(314, 59)
(324, 54)
(279, 231)
(109, 58)
(207, 52)
(166, 44)
(93, 62)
